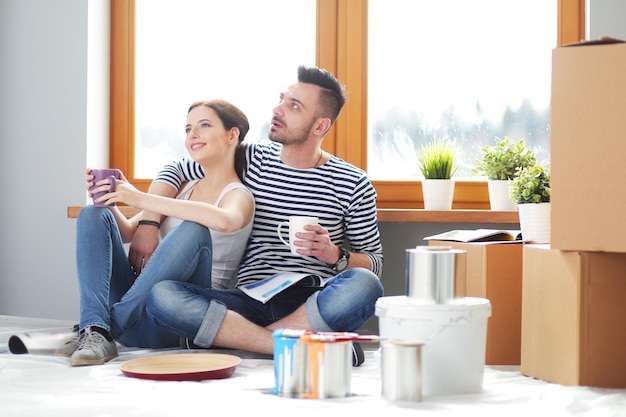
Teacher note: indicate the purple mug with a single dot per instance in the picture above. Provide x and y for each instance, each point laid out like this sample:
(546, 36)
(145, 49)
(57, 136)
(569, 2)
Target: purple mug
(100, 174)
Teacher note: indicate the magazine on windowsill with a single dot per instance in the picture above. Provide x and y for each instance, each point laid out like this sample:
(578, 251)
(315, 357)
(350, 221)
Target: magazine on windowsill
(479, 235)
(267, 288)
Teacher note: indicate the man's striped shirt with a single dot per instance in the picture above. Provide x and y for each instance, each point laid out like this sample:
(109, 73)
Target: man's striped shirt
(338, 193)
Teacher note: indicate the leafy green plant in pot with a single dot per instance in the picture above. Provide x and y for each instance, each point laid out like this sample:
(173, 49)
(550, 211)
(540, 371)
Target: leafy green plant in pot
(531, 192)
(500, 164)
(438, 163)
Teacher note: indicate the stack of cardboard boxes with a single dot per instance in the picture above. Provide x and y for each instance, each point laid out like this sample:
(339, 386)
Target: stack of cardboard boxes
(574, 290)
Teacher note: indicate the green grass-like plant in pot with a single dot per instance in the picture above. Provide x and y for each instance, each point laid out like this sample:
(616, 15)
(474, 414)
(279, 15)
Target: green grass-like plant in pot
(438, 163)
(500, 164)
(531, 191)
(437, 159)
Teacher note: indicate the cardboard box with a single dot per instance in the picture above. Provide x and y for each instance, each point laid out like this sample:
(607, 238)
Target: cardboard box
(494, 272)
(574, 317)
(588, 144)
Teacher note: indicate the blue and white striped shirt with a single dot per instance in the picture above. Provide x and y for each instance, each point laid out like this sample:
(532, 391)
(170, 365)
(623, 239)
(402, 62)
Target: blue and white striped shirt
(338, 193)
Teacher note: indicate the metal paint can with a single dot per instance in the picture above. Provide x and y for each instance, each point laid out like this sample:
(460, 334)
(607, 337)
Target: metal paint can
(289, 362)
(435, 274)
(401, 368)
(329, 366)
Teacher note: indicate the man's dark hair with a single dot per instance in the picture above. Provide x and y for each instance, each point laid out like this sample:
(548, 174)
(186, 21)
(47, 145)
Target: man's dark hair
(332, 96)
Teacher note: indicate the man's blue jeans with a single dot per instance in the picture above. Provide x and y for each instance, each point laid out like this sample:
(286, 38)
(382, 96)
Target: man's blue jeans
(196, 313)
(113, 297)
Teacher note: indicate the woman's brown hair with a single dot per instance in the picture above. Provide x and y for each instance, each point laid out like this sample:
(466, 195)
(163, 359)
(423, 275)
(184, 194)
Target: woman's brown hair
(231, 116)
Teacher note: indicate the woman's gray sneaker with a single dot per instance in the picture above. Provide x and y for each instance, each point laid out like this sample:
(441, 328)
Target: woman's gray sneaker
(94, 349)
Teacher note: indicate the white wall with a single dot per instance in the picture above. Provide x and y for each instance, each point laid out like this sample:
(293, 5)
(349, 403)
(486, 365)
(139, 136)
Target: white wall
(605, 18)
(44, 104)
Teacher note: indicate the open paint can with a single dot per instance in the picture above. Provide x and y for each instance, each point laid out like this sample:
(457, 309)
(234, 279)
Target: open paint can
(289, 362)
(401, 368)
(329, 366)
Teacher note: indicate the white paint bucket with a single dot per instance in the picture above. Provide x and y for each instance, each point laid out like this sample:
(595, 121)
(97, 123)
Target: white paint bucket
(454, 336)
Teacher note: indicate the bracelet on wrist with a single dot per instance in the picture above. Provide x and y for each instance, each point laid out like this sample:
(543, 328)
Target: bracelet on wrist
(149, 222)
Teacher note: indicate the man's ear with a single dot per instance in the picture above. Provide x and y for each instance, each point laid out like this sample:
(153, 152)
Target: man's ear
(323, 125)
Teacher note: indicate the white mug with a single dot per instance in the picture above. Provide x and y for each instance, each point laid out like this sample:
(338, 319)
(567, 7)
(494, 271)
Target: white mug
(296, 224)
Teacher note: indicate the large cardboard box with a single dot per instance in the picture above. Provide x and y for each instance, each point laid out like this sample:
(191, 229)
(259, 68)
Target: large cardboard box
(574, 317)
(588, 144)
(494, 271)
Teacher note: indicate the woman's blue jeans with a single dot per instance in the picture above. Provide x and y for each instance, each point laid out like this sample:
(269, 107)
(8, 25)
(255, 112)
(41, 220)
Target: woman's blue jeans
(193, 312)
(113, 297)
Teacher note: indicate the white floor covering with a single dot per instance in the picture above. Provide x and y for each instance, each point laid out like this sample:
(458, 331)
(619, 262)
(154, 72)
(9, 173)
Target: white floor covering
(45, 385)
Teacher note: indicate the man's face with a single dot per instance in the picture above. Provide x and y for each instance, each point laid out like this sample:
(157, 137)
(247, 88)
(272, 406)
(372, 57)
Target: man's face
(295, 115)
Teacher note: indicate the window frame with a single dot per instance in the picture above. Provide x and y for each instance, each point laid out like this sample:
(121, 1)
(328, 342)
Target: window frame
(341, 48)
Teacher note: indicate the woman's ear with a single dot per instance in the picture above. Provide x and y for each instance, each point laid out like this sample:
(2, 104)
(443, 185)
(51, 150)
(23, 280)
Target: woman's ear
(233, 134)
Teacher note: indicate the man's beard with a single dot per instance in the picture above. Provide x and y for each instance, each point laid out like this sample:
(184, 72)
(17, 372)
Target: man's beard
(291, 138)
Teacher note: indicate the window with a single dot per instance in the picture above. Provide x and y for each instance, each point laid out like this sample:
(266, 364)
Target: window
(468, 76)
(190, 50)
(341, 47)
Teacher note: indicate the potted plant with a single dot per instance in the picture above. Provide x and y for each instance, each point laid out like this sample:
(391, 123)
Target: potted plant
(500, 164)
(437, 162)
(531, 192)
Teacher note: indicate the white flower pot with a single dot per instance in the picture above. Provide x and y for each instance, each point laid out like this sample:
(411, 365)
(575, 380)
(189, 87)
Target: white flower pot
(438, 194)
(499, 198)
(535, 222)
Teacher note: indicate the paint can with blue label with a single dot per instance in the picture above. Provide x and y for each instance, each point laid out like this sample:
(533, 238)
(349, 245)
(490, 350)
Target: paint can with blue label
(289, 362)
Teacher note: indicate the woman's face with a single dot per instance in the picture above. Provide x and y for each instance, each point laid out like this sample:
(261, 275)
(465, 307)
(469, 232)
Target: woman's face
(207, 138)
